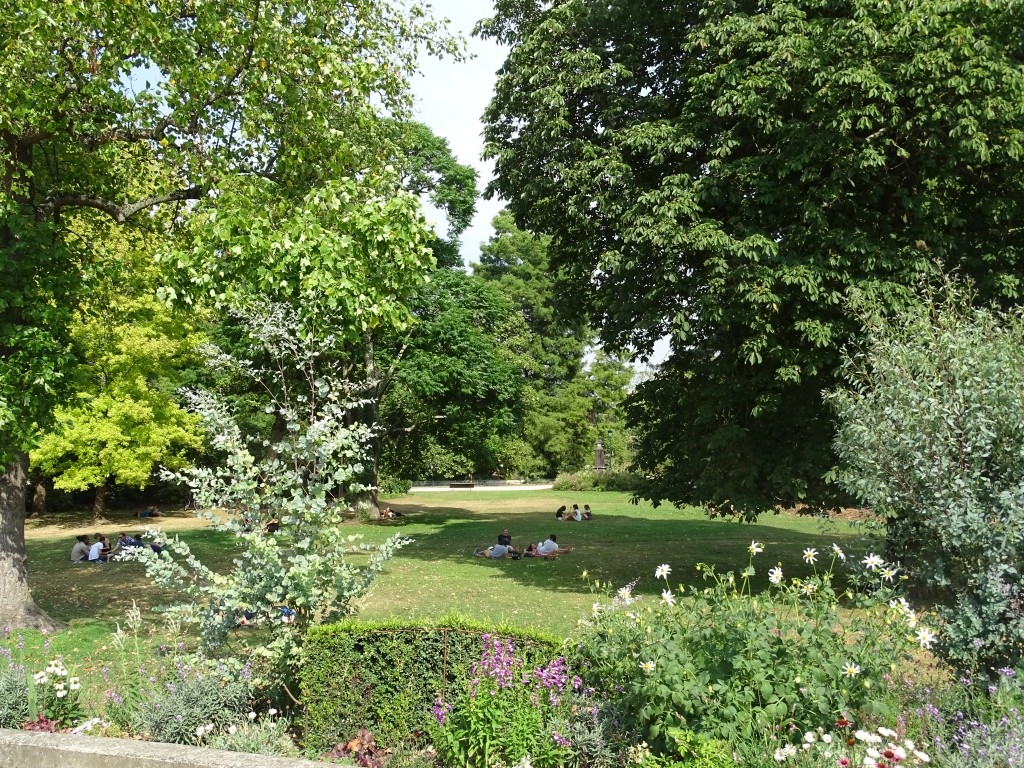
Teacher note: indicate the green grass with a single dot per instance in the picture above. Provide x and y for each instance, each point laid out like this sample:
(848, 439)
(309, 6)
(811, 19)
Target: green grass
(437, 573)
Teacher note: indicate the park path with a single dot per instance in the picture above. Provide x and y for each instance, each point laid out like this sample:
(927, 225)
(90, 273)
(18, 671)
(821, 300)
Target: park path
(445, 488)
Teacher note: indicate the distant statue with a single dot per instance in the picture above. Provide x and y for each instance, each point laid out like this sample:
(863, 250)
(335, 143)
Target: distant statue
(599, 465)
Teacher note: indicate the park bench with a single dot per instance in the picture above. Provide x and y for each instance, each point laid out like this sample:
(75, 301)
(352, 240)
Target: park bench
(462, 484)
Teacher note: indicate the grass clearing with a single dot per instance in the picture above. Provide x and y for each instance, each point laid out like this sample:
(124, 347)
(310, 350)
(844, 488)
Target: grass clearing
(437, 573)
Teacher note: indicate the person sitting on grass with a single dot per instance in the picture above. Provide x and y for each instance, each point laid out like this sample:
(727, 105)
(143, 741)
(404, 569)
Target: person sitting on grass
(149, 511)
(560, 513)
(80, 551)
(99, 552)
(550, 547)
(576, 514)
(587, 514)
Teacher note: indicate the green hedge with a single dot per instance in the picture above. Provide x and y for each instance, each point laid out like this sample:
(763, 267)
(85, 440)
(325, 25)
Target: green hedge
(386, 676)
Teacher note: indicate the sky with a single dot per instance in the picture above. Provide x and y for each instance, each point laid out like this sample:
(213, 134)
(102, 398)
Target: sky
(451, 98)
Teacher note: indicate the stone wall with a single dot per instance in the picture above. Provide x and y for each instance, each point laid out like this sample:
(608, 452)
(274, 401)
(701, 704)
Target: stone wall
(22, 749)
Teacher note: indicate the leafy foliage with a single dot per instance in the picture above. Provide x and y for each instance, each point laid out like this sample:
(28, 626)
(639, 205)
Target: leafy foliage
(728, 175)
(456, 398)
(386, 676)
(734, 666)
(124, 420)
(930, 437)
(14, 709)
(285, 509)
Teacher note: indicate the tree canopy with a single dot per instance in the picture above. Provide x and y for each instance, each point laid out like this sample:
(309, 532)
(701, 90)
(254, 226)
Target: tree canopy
(727, 174)
(280, 114)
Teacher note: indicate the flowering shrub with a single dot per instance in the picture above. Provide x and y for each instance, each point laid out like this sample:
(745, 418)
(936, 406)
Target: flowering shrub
(55, 691)
(189, 710)
(256, 735)
(734, 666)
(506, 712)
(881, 748)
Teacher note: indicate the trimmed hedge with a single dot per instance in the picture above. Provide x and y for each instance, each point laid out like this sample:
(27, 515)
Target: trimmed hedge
(385, 676)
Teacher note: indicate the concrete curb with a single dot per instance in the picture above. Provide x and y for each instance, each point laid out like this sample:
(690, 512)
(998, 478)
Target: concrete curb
(25, 749)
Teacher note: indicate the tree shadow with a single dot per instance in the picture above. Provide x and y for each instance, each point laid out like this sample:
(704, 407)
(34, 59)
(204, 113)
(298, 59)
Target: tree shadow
(620, 549)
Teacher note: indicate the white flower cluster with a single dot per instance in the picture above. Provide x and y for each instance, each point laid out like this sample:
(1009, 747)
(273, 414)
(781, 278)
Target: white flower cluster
(56, 670)
(870, 749)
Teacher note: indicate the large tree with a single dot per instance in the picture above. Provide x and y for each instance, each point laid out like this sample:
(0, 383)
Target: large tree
(727, 174)
(119, 107)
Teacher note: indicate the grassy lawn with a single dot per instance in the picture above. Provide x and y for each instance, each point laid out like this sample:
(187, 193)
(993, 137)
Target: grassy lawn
(437, 572)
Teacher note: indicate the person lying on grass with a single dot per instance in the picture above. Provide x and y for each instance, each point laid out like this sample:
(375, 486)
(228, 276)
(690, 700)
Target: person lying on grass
(550, 547)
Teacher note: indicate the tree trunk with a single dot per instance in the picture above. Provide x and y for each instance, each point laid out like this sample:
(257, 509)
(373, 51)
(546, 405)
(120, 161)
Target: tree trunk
(99, 504)
(17, 609)
(39, 499)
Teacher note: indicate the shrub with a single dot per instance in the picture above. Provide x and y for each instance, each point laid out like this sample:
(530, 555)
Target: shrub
(930, 435)
(598, 481)
(181, 712)
(13, 696)
(386, 676)
(574, 481)
(263, 736)
(733, 667)
(505, 711)
(388, 485)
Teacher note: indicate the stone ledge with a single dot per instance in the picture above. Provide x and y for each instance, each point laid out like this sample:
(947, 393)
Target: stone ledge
(24, 749)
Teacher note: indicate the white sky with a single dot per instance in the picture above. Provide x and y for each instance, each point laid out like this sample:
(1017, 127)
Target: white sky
(451, 97)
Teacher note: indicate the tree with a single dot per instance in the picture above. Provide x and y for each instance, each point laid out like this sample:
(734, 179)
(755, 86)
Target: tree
(284, 509)
(429, 168)
(457, 391)
(232, 102)
(123, 420)
(728, 175)
(931, 424)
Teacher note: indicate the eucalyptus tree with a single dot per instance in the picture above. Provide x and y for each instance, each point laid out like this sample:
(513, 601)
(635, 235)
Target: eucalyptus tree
(728, 174)
(261, 123)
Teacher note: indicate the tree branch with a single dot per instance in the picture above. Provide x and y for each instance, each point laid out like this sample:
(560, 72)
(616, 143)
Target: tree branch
(119, 213)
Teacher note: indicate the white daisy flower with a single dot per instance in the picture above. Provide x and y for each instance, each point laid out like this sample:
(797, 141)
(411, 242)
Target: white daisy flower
(810, 555)
(667, 597)
(756, 547)
(662, 571)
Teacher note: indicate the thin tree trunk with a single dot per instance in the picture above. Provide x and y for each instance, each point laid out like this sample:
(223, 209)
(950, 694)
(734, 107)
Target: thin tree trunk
(99, 504)
(17, 609)
(39, 499)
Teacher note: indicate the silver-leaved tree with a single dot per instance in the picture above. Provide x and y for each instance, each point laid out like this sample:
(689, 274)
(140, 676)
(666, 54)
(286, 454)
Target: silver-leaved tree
(284, 504)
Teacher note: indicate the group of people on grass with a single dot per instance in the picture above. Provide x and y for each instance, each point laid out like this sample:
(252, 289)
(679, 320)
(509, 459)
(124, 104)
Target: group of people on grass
(504, 550)
(574, 514)
(100, 550)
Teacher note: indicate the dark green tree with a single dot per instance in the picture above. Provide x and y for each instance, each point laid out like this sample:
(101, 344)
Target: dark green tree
(727, 174)
(455, 400)
(429, 168)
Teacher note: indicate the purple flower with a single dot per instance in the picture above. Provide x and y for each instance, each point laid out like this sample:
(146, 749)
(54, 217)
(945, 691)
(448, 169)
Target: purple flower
(441, 710)
(1007, 672)
(560, 740)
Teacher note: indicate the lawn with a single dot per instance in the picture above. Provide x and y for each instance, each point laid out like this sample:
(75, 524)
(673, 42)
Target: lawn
(437, 573)
(433, 575)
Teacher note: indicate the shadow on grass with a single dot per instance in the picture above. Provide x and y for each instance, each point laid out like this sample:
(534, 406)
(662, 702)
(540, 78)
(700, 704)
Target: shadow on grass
(615, 548)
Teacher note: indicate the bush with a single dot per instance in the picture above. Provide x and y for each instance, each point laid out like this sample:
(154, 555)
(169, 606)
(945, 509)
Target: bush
(930, 435)
(598, 481)
(388, 485)
(265, 736)
(574, 481)
(386, 676)
(13, 696)
(179, 712)
(734, 667)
